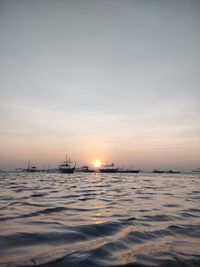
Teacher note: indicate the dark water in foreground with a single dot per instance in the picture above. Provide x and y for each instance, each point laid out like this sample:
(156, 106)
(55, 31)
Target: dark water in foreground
(99, 219)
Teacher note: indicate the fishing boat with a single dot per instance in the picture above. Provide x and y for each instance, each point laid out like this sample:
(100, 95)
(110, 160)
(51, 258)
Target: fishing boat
(109, 168)
(196, 170)
(31, 168)
(67, 166)
(172, 171)
(128, 171)
(86, 169)
(158, 171)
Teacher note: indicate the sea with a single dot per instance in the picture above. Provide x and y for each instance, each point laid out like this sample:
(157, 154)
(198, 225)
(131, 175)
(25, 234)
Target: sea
(95, 219)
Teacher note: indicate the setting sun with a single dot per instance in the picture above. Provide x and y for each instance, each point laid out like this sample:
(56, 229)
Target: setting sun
(97, 163)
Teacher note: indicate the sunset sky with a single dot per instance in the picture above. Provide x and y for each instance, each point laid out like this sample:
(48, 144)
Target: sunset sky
(112, 80)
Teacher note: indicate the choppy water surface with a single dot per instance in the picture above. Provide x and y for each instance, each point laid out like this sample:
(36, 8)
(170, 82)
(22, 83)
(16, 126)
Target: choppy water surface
(99, 219)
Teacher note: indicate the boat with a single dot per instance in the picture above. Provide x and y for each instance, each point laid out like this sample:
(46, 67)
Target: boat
(67, 166)
(172, 171)
(196, 170)
(158, 171)
(86, 169)
(31, 168)
(128, 171)
(109, 168)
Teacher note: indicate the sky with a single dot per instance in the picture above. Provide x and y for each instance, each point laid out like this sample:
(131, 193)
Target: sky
(100, 79)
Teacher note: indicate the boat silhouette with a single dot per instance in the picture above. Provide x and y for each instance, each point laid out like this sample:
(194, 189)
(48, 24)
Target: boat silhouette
(86, 169)
(128, 171)
(109, 168)
(67, 166)
(158, 171)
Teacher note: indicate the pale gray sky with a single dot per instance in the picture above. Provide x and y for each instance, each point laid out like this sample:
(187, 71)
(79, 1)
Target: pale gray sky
(115, 80)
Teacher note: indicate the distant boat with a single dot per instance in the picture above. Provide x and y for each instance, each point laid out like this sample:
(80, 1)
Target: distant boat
(109, 168)
(31, 168)
(171, 171)
(196, 171)
(128, 171)
(158, 171)
(67, 166)
(86, 169)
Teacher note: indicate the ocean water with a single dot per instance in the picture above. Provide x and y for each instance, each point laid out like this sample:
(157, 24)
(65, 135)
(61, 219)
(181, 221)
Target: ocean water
(94, 219)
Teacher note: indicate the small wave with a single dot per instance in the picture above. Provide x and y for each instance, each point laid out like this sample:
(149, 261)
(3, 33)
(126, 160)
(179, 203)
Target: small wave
(31, 239)
(39, 194)
(171, 205)
(159, 218)
(191, 230)
(103, 229)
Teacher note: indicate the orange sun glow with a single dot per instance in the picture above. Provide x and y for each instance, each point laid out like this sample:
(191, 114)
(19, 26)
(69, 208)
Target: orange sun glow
(97, 163)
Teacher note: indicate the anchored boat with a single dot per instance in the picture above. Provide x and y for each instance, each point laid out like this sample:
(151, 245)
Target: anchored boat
(128, 171)
(109, 168)
(158, 171)
(67, 166)
(31, 168)
(86, 169)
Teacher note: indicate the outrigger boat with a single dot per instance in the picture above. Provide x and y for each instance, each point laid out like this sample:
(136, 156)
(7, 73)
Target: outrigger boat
(67, 166)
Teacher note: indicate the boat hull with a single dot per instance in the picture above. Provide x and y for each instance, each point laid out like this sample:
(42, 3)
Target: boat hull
(69, 170)
(108, 170)
(172, 172)
(158, 171)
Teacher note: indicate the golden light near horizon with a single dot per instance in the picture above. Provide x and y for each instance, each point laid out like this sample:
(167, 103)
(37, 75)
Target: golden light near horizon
(97, 163)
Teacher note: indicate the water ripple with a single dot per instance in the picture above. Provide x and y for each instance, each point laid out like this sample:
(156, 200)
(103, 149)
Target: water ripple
(99, 220)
